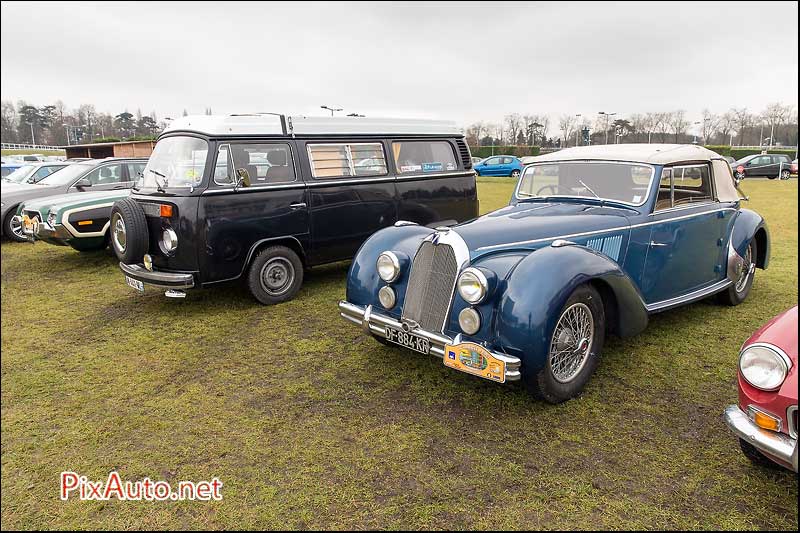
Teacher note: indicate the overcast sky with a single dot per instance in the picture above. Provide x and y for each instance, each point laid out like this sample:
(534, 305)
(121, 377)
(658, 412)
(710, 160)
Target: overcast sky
(456, 60)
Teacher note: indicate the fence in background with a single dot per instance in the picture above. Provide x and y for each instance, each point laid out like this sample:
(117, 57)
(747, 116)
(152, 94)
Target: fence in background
(14, 146)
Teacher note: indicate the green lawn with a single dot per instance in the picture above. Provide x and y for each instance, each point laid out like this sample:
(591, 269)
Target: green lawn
(310, 424)
(31, 151)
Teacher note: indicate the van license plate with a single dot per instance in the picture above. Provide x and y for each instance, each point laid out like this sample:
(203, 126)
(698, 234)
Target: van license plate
(408, 340)
(134, 283)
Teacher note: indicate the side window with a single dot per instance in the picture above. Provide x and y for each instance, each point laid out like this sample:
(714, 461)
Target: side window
(760, 161)
(135, 171)
(508, 160)
(414, 157)
(347, 160)
(692, 184)
(107, 174)
(493, 161)
(265, 163)
(43, 172)
(664, 198)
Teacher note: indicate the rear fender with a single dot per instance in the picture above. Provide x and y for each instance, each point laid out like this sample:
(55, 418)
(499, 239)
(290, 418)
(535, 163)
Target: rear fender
(750, 225)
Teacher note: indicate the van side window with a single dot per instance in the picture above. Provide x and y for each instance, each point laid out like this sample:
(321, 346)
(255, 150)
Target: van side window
(347, 160)
(412, 157)
(265, 163)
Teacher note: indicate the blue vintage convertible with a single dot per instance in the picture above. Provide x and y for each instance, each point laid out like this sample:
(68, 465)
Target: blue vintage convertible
(593, 241)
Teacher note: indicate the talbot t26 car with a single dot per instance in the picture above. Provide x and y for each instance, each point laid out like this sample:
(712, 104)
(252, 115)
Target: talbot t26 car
(594, 240)
(263, 197)
(78, 220)
(766, 418)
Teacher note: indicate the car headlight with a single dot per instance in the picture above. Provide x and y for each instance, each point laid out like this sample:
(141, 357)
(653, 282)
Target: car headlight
(763, 367)
(169, 240)
(388, 265)
(387, 297)
(469, 320)
(472, 285)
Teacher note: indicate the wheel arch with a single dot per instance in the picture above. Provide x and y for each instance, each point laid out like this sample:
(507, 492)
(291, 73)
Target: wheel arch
(750, 225)
(527, 311)
(291, 242)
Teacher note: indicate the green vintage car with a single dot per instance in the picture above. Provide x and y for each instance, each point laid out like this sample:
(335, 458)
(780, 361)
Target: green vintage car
(77, 220)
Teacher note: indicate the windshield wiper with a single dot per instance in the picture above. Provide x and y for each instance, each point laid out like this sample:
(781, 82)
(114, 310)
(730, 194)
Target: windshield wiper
(159, 187)
(590, 190)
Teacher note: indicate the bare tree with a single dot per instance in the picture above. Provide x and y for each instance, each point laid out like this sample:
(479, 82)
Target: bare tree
(775, 115)
(678, 123)
(513, 126)
(727, 122)
(567, 124)
(661, 125)
(710, 125)
(743, 119)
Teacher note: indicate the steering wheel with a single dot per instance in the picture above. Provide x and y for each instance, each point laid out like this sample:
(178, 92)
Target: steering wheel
(554, 187)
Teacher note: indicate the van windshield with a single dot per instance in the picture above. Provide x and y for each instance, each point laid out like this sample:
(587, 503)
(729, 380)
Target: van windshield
(175, 162)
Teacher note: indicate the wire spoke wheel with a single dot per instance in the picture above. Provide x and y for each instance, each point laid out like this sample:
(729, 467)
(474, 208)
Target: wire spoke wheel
(747, 269)
(572, 342)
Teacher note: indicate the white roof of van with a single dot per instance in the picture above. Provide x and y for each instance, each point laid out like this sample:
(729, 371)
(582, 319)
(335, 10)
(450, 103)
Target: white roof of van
(656, 154)
(273, 124)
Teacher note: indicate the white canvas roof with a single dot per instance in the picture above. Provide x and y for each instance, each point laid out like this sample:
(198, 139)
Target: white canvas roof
(271, 124)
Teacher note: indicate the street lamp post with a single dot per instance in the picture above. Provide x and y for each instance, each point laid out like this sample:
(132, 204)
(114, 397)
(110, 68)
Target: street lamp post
(331, 109)
(577, 128)
(33, 139)
(607, 117)
(695, 131)
(66, 128)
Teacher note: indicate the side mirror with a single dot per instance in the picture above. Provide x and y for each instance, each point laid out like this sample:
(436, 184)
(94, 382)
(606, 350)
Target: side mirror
(242, 178)
(83, 182)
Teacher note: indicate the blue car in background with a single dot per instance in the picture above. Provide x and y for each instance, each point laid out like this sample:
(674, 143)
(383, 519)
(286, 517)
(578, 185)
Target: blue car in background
(8, 168)
(499, 165)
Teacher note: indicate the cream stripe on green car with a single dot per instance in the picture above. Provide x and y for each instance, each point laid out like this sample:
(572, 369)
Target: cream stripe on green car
(77, 220)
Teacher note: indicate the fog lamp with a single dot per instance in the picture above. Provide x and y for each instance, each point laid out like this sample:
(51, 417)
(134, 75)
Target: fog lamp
(387, 297)
(469, 320)
(148, 262)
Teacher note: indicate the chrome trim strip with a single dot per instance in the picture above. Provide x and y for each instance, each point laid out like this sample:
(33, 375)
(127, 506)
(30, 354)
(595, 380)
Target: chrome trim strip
(165, 280)
(686, 298)
(682, 207)
(595, 232)
(790, 421)
(778, 445)
(465, 173)
(223, 190)
(375, 324)
(319, 182)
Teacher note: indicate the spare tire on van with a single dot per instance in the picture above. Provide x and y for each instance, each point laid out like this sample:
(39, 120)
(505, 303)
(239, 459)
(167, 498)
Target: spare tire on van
(128, 231)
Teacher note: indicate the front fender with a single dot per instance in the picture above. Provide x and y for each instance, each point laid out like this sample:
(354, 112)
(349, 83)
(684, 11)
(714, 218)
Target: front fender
(749, 225)
(540, 285)
(363, 281)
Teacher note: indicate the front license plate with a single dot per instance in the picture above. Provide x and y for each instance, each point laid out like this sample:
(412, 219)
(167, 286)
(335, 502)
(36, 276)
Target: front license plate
(135, 283)
(408, 340)
(475, 359)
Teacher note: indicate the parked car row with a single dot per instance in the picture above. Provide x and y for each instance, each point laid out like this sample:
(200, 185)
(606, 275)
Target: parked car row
(593, 242)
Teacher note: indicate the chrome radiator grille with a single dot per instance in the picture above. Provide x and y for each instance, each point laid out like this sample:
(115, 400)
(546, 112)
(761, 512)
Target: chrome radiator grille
(430, 286)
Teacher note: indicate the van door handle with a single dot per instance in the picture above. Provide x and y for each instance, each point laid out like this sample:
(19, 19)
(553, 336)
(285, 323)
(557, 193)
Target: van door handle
(297, 205)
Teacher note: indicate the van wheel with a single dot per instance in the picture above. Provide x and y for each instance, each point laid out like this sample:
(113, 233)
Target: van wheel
(276, 275)
(739, 289)
(575, 346)
(12, 227)
(128, 231)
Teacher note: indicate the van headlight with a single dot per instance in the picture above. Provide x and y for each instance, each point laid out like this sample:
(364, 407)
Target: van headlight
(388, 265)
(472, 285)
(169, 241)
(763, 366)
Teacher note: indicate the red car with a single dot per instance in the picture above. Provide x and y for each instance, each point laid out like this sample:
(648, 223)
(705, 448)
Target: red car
(766, 418)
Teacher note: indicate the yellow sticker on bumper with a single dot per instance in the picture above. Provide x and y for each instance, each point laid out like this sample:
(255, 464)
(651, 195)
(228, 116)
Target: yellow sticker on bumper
(475, 359)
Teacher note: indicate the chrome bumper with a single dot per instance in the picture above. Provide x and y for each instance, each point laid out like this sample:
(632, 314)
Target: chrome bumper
(43, 230)
(775, 444)
(375, 324)
(165, 280)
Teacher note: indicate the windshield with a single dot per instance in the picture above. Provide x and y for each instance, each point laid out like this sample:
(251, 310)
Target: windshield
(66, 175)
(627, 183)
(175, 162)
(19, 175)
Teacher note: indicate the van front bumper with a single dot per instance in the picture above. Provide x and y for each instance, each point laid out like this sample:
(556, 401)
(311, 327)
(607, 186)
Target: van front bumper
(164, 280)
(376, 324)
(777, 445)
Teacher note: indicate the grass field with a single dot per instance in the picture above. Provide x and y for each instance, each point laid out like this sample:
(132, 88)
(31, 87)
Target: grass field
(310, 424)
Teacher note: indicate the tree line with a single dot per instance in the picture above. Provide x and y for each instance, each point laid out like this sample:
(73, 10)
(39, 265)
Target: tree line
(57, 125)
(776, 125)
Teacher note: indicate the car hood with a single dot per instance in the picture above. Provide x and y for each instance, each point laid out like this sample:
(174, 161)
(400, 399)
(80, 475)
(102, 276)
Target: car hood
(532, 224)
(12, 193)
(68, 201)
(781, 331)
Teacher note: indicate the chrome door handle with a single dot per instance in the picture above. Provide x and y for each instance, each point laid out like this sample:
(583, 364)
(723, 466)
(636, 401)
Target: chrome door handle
(654, 243)
(298, 205)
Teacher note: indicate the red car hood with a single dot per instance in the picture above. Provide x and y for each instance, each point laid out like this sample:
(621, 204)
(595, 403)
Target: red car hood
(781, 331)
